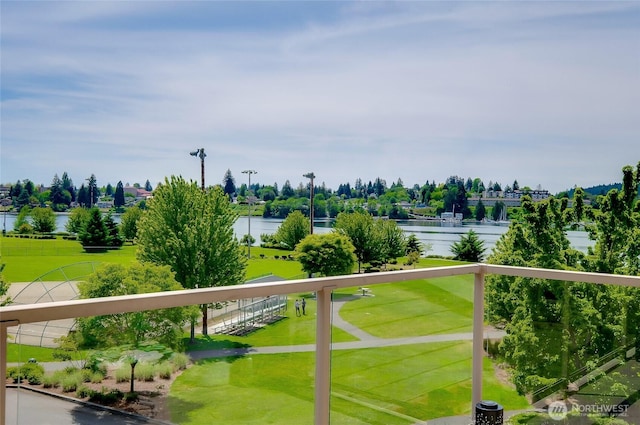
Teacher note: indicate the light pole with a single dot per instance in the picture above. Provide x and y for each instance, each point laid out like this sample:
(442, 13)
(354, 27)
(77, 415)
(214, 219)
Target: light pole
(201, 154)
(205, 311)
(249, 218)
(310, 176)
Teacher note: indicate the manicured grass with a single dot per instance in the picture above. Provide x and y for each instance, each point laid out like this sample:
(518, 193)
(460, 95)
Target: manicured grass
(29, 259)
(21, 353)
(369, 386)
(412, 308)
(18, 353)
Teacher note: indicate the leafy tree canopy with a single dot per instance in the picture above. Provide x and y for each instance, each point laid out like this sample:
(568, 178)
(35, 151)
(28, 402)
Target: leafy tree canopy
(329, 254)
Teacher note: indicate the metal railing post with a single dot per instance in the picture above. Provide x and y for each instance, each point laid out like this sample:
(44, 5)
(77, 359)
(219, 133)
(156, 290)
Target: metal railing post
(3, 369)
(478, 335)
(323, 356)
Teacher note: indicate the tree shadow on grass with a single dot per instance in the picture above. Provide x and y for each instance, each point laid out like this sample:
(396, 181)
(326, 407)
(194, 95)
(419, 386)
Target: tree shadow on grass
(208, 349)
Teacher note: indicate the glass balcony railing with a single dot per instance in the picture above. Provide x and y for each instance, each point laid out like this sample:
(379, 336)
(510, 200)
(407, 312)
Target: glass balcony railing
(402, 347)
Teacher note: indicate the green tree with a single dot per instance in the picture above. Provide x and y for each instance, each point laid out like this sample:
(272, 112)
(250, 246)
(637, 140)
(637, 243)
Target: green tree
(22, 221)
(469, 248)
(94, 192)
(44, 220)
(95, 233)
(23, 199)
(147, 186)
(392, 240)
(82, 197)
(78, 219)
(498, 211)
(60, 198)
(164, 326)
(129, 223)
(247, 240)
(4, 288)
(292, 230)
(287, 191)
(359, 227)
(115, 240)
(575, 321)
(481, 211)
(414, 245)
(192, 232)
(67, 184)
(329, 254)
(118, 197)
(229, 184)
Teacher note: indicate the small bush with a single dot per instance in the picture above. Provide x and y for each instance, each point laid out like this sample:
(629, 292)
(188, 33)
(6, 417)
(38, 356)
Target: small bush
(50, 381)
(84, 392)
(70, 383)
(123, 373)
(30, 372)
(144, 372)
(180, 361)
(86, 375)
(96, 377)
(106, 396)
(131, 396)
(164, 370)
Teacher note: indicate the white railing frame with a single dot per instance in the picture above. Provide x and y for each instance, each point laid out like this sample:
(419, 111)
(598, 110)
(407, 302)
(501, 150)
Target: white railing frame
(31, 313)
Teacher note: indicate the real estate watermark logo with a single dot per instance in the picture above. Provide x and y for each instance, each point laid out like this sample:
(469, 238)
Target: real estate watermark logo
(558, 410)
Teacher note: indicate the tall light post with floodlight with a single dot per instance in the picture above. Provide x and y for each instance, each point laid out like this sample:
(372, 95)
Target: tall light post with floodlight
(310, 176)
(201, 154)
(249, 199)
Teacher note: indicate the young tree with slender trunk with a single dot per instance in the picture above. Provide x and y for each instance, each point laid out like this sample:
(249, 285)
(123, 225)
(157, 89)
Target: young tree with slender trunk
(191, 231)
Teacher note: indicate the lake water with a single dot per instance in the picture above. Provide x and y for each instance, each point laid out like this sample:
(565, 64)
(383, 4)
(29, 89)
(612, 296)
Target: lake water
(440, 237)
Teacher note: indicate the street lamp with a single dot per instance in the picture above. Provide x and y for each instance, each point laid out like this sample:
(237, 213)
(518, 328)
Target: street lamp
(201, 154)
(310, 176)
(249, 200)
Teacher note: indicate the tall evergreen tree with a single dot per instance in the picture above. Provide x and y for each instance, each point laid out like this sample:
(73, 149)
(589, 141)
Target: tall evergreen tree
(67, 184)
(229, 184)
(147, 186)
(118, 197)
(95, 232)
(94, 192)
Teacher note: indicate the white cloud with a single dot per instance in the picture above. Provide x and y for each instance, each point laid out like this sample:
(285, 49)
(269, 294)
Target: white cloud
(420, 91)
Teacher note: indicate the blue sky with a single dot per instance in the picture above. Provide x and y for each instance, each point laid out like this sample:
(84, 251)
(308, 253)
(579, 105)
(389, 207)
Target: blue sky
(547, 93)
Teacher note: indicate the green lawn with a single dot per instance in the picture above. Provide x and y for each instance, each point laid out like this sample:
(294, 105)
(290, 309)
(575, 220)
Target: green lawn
(387, 386)
(416, 307)
(29, 259)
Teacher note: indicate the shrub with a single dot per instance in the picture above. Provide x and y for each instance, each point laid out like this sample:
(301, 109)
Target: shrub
(123, 373)
(180, 361)
(86, 375)
(144, 372)
(30, 372)
(106, 396)
(131, 396)
(84, 392)
(71, 382)
(50, 381)
(165, 370)
(96, 377)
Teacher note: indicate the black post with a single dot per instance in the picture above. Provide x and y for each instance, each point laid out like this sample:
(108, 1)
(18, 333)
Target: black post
(489, 413)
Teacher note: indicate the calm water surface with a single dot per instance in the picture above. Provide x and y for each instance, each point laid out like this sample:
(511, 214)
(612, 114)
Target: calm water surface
(439, 237)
